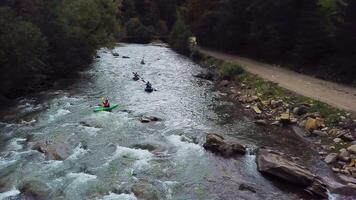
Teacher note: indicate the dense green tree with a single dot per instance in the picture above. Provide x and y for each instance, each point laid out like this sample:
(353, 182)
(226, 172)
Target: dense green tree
(314, 36)
(180, 34)
(47, 39)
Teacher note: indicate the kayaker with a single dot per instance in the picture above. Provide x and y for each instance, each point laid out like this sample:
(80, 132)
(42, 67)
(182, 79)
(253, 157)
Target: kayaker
(136, 76)
(148, 85)
(106, 103)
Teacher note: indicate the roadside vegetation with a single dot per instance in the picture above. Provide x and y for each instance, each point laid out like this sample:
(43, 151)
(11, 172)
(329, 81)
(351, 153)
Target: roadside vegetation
(310, 36)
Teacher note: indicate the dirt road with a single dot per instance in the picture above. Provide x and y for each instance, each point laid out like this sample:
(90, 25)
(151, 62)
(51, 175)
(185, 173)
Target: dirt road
(334, 94)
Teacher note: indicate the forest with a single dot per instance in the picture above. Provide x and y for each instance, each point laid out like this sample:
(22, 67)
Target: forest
(43, 40)
(316, 37)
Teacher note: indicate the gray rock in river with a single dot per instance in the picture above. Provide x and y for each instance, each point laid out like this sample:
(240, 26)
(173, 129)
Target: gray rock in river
(331, 158)
(148, 119)
(217, 144)
(145, 191)
(280, 166)
(56, 151)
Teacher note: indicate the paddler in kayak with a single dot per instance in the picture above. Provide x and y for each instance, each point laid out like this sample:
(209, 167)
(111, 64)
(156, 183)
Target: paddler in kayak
(148, 87)
(105, 103)
(136, 76)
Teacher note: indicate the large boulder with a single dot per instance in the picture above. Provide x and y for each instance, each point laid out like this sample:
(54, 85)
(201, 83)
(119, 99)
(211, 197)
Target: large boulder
(218, 144)
(281, 166)
(55, 151)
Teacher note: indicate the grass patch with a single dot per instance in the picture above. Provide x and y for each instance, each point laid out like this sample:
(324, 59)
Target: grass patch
(229, 70)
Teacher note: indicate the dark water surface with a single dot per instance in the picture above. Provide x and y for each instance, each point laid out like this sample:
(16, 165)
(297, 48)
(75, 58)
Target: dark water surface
(104, 162)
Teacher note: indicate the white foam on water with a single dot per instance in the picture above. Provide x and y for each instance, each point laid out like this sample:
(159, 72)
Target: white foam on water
(92, 131)
(141, 157)
(60, 113)
(78, 184)
(9, 194)
(77, 152)
(168, 187)
(113, 196)
(79, 178)
(68, 124)
(14, 144)
(28, 123)
(185, 149)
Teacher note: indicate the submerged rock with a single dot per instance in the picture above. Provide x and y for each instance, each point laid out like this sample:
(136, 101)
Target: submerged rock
(207, 76)
(280, 166)
(261, 122)
(217, 144)
(224, 83)
(145, 191)
(245, 187)
(56, 151)
(148, 119)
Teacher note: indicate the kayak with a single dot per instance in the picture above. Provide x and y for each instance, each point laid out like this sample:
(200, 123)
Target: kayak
(107, 109)
(149, 90)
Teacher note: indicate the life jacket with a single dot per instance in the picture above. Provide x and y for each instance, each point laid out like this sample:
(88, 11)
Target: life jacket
(106, 103)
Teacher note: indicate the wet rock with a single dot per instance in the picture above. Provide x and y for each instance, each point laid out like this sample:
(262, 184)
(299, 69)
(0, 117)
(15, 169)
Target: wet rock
(207, 76)
(352, 149)
(331, 158)
(56, 151)
(145, 146)
(98, 57)
(319, 133)
(245, 187)
(84, 124)
(224, 83)
(148, 119)
(280, 166)
(347, 179)
(217, 144)
(276, 103)
(145, 191)
(261, 122)
(302, 110)
(125, 57)
(317, 188)
(35, 190)
(340, 188)
(115, 54)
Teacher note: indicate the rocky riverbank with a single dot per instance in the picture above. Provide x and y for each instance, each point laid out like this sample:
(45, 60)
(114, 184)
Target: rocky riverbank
(329, 131)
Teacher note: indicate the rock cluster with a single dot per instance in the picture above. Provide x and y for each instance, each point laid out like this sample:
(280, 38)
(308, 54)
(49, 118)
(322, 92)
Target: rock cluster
(218, 144)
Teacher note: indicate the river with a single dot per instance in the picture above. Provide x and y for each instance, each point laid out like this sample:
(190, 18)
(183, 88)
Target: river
(109, 153)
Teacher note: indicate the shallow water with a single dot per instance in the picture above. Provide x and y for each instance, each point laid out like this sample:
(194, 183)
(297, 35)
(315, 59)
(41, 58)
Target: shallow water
(104, 159)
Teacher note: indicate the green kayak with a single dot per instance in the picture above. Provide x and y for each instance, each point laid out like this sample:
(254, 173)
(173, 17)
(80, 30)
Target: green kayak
(108, 109)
